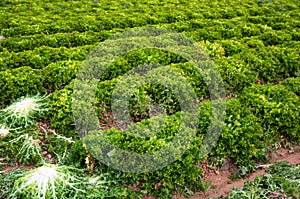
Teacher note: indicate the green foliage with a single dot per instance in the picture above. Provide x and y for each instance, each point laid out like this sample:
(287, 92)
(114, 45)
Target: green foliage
(48, 181)
(274, 38)
(282, 180)
(150, 93)
(23, 111)
(27, 149)
(15, 83)
(41, 57)
(7, 181)
(58, 145)
(22, 80)
(60, 113)
(292, 84)
(276, 107)
(235, 74)
(232, 47)
(242, 139)
(168, 176)
(43, 44)
(77, 155)
(271, 63)
(69, 40)
(56, 181)
(137, 58)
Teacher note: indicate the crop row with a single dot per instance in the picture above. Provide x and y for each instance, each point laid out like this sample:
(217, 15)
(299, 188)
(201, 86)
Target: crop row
(96, 24)
(255, 119)
(229, 10)
(198, 30)
(43, 56)
(76, 39)
(58, 40)
(241, 70)
(22, 80)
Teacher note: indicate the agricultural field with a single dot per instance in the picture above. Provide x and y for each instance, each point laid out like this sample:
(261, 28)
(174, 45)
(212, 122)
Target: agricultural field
(49, 148)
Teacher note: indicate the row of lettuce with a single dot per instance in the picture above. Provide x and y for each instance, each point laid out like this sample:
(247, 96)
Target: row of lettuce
(47, 69)
(257, 118)
(253, 44)
(65, 17)
(200, 31)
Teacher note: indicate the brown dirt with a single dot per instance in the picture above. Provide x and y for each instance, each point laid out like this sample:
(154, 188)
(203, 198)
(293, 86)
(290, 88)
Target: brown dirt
(221, 182)
(24, 167)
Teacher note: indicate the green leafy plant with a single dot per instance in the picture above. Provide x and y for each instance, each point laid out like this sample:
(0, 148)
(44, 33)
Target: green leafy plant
(205, 186)
(30, 151)
(48, 181)
(281, 181)
(58, 144)
(7, 181)
(24, 111)
(251, 42)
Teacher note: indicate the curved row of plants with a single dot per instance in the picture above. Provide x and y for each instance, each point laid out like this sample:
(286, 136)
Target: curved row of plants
(254, 45)
(247, 67)
(250, 129)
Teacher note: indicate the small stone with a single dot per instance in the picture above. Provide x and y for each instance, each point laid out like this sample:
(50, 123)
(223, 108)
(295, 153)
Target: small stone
(36, 141)
(4, 132)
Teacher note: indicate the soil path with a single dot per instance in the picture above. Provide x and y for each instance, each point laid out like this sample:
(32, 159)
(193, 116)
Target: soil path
(222, 185)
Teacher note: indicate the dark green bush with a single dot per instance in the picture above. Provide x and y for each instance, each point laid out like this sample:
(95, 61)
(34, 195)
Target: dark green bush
(277, 108)
(242, 139)
(17, 82)
(58, 40)
(235, 74)
(292, 84)
(271, 63)
(232, 47)
(57, 75)
(158, 93)
(253, 43)
(274, 38)
(168, 176)
(60, 113)
(137, 58)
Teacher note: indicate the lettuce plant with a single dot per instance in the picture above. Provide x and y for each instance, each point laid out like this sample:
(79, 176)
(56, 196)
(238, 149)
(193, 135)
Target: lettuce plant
(48, 181)
(30, 151)
(58, 145)
(24, 111)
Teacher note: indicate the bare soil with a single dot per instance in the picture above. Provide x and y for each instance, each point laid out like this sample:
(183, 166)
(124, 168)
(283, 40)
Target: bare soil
(221, 182)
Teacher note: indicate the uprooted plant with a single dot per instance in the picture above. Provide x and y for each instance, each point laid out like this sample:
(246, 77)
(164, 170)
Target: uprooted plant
(48, 181)
(24, 111)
